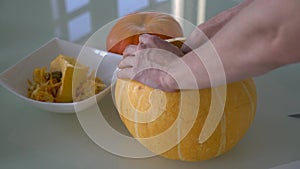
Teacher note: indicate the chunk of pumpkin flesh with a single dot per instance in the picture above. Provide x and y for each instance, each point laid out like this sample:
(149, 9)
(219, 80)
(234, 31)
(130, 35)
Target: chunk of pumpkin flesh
(67, 65)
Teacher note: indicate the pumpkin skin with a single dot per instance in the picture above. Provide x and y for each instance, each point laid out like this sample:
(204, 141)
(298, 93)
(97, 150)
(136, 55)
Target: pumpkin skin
(127, 30)
(239, 111)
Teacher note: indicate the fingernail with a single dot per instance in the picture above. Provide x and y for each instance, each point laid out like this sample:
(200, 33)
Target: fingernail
(142, 45)
(144, 34)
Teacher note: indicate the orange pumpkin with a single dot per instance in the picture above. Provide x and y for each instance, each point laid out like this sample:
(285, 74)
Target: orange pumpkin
(127, 30)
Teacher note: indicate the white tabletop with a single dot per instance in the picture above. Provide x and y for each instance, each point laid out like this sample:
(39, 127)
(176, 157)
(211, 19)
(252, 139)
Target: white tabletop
(32, 138)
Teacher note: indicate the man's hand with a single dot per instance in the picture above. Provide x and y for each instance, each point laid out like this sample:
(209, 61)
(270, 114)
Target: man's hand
(208, 29)
(149, 62)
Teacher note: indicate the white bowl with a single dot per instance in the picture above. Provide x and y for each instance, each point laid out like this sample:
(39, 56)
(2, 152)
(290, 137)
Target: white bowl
(15, 78)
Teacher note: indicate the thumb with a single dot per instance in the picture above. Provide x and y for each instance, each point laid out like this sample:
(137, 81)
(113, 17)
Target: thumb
(144, 38)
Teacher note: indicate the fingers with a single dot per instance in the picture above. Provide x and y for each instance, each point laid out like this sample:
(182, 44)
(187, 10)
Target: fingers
(141, 46)
(146, 39)
(129, 50)
(185, 48)
(152, 41)
(125, 73)
(127, 62)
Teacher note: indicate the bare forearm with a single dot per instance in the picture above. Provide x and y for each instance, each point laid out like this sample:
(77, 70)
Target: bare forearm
(208, 29)
(260, 38)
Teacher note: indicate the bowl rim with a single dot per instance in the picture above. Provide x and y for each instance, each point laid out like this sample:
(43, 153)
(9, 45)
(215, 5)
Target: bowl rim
(40, 104)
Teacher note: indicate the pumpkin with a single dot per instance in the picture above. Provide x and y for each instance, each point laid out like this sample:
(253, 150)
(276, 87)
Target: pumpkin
(156, 120)
(67, 65)
(152, 117)
(127, 30)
